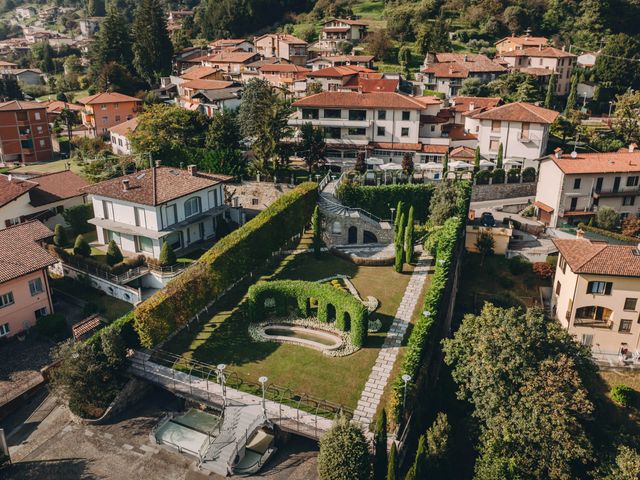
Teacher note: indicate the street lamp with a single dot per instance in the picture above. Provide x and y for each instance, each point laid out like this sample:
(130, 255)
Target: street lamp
(220, 368)
(393, 211)
(263, 381)
(610, 107)
(405, 378)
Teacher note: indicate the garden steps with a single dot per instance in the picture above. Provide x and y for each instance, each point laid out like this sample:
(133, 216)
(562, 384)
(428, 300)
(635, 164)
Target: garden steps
(329, 203)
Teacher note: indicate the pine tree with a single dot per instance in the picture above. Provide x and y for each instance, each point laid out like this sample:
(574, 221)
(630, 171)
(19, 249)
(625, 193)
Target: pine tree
(408, 237)
(152, 47)
(499, 158)
(476, 160)
(399, 262)
(418, 469)
(317, 233)
(112, 43)
(81, 247)
(95, 8)
(391, 468)
(60, 236)
(572, 99)
(551, 88)
(114, 255)
(167, 255)
(380, 441)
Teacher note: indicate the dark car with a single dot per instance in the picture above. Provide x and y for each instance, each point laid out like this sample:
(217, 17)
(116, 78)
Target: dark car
(487, 220)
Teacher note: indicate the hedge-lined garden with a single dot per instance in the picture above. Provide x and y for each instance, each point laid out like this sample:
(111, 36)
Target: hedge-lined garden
(230, 259)
(349, 313)
(379, 200)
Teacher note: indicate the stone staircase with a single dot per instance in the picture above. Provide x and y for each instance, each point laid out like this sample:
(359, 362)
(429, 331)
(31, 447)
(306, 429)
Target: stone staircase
(329, 204)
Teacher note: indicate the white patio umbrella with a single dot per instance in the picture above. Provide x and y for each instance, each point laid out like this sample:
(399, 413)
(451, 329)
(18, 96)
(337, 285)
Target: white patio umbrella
(513, 161)
(389, 167)
(374, 161)
(459, 165)
(486, 164)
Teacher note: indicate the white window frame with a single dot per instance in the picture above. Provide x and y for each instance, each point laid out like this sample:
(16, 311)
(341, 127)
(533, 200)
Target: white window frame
(4, 329)
(6, 299)
(36, 286)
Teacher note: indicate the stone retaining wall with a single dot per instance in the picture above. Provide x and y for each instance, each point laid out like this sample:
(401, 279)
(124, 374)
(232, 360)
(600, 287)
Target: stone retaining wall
(340, 236)
(482, 193)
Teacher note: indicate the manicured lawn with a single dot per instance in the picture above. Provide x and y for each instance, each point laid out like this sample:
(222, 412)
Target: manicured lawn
(109, 307)
(49, 167)
(225, 338)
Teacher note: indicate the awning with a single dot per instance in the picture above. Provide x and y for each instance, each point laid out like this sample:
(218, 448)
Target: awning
(578, 213)
(390, 166)
(543, 206)
(459, 165)
(374, 161)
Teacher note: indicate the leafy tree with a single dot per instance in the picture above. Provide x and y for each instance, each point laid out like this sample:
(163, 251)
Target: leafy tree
(474, 87)
(445, 165)
(498, 175)
(380, 462)
(77, 217)
(485, 245)
(418, 469)
(626, 117)
(361, 166)
(551, 88)
(631, 226)
(344, 454)
(152, 48)
(312, 146)
(81, 247)
(400, 21)
(572, 99)
(515, 87)
(114, 255)
(10, 89)
(167, 255)
(516, 19)
(607, 218)
(391, 468)
(445, 202)
(379, 45)
(627, 465)
(165, 131)
(42, 55)
(224, 160)
(500, 156)
(407, 163)
(437, 446)
(434, 37)
(314, 87)
(118, 78)
(95, 8)
(60, 238)
(316, 227)
(613, 69)
(523, 374)
(476, 160)
(408, 237)
(52, 326)
(112, 43)
(113, 347)
(224, 131)
(404, 59)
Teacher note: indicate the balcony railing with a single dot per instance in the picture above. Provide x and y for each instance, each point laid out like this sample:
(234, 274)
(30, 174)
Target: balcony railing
(528, 139)
(593, 323)
(617, 192)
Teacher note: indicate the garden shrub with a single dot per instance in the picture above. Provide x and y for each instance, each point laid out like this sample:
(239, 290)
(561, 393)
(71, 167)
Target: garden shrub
(482, 177)
(229, 260)
(114, 255)
(513, 175)
(505, 281)
(167, 255)
(295, 293)
(81, 247)
(60, 236)
(344, 453)
(52, 326)
(78, 218)
(519, 265)
(380, 199)
(607, 233)
(543, 270)
(498, 175)
(622, 395)
(529, 174)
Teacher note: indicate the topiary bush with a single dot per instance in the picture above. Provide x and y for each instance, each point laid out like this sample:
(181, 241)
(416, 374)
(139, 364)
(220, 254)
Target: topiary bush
(344, 453)
(81, 247)
(60, 238)
(351, 314)
(529, 174)
(114, 255)
(229, 260)
(498, 175)
(52, 326)
(622, 395)
(167, 255)
(519, 265)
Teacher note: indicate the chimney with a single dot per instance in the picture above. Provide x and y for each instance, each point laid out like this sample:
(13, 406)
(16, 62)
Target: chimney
(632, 147)
(125, 184)
(193, 170)
(558, 152)
(579, 233)
(9, 177)
(158, 162)
(540, 47)
(472, 107)
(466, 58)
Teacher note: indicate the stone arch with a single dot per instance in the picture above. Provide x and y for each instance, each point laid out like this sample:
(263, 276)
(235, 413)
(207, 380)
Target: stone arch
(346, 321)
(331, 313)
(369, 237)
(352, 235)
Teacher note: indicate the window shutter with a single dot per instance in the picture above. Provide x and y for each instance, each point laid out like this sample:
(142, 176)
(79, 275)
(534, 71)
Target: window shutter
(590, 287)
(607, 288)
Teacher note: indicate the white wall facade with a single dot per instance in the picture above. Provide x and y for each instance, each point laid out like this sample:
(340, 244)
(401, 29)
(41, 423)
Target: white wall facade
(516, 145)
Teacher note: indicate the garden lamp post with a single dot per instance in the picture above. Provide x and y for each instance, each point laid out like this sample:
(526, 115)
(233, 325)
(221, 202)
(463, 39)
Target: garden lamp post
(220, 368)
(393, 211)
(610, 107)
(405, 378)
(263, 381)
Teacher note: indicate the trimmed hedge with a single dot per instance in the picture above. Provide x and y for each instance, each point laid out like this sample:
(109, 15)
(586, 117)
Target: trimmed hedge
(380, 199)
(230, 259)
(297, 294)
(124, 326)
(608, 233)
(117, 269)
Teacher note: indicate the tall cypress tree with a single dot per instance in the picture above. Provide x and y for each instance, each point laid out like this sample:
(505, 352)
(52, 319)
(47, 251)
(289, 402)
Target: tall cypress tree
(152, 47)
(500, 156)
(112, 43)
(572, 99)
(551, 88)
(408, 237)
(391, 469)
(476, 160)
(380, 441)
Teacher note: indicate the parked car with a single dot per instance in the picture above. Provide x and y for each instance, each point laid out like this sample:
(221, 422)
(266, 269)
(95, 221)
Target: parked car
(487, 220)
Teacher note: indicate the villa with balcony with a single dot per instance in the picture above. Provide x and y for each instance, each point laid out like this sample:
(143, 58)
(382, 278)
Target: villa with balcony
(595, 297)
(571, 187)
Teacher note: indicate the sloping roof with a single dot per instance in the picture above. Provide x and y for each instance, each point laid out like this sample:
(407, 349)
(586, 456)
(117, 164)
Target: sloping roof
(13, 105)
(206, 84)
(282, 37)
(198, 72)
(125, 127)
(56, 106)
(227, 41)
(612, 162)
(163, 183)
(547, 52)
(462, 152)
(537, 71)
(519, 112)
(230, 57)
(57, 186)
(459, 65)
(463, 104)
(21, 254)
(338, 72)
(348, 21)
(525, 40)
(369, 85)
(584, 256)
(389, 100)
(12, 188)
(283, 68)
(107, 97)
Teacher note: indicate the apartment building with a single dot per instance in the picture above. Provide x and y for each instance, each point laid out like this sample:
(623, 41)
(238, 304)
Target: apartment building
(24, 132)
(350, 78)
(338, 30)
(521, 128)
(231, 43)
(25, 295)
(43, 197)
(364, 61)
(538, 61)
(105, 110)
(120, 144)
(283, 75)
(231, 63)
(509, 44)
(282, 45)
(572, 187)
(382, 124)
(595, 297)
(144, 210)
(445, 72)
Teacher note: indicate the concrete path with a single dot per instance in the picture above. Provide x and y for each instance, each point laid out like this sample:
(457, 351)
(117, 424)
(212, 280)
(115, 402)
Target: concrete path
(381, 371)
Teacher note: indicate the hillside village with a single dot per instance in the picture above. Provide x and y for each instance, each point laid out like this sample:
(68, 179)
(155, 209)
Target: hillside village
(343, 239)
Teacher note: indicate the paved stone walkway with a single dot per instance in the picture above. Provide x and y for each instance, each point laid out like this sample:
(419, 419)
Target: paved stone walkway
(373, 389)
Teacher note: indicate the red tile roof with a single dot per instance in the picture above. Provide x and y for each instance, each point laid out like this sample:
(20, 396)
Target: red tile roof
(230, 57)
(525, 40)
(460, 65)
(348, 21)
(584, 256)
(463, 104)
(543, 206)
(107, 97)
(339, 72)
(547, 52)
(12, 188)
(369, 85)
(14, 105)
(390, 100)
(537, 71)
(283, 68)
(155, 186)
(21, 254)
(125, 127)
(613, 162)
(56, 106)
(54, 187)
(206, 84)
(283, 37)
(519, 112)
(462, 152)
(198, 72)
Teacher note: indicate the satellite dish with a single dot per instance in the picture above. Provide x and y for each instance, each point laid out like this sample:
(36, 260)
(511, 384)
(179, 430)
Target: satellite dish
(574, 154)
